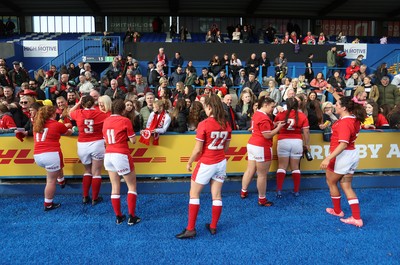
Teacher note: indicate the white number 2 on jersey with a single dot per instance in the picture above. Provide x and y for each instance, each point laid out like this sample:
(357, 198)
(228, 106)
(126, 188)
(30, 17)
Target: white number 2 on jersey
(218, 136)
(291, 124)
(89, 125)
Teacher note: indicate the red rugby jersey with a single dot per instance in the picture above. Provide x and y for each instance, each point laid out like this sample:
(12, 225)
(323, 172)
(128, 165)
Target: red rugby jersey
(90, 124)
(292, 129)
(116, 131)
(260, 123)
(213, 137)
(346, 130)
(49, 139)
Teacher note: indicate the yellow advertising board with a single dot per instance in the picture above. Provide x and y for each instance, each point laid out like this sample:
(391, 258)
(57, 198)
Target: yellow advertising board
(379, 151)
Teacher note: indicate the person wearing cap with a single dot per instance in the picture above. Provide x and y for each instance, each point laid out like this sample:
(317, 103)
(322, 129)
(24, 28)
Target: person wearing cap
(18, 76)
(150, 68)
(49, 81)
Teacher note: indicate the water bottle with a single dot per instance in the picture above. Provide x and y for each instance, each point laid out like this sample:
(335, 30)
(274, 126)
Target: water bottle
(308, 155)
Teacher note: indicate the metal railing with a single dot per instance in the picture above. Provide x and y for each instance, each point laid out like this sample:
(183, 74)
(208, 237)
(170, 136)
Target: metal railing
(391, 59)
(99, 46)
(70, 55)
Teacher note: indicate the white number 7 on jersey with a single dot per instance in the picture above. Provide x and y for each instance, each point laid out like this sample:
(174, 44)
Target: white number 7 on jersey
(218, 136)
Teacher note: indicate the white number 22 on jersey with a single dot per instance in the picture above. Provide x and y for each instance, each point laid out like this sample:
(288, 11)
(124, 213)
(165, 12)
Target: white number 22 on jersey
(218, 136)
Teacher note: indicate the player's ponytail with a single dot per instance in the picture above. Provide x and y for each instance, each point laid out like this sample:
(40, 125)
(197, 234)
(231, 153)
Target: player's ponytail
(354, 108)
(87, 101)
(292, 104)
(217, 109)
(264, 100)
(44, 114)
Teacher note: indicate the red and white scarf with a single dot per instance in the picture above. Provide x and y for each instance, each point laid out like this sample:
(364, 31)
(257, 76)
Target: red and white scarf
(157, 122)
(161, 58)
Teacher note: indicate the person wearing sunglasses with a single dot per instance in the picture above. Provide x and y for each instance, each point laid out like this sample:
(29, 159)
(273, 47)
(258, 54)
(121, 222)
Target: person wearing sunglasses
(20, 111)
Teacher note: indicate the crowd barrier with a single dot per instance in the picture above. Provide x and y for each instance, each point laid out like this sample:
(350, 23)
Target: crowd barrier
(379, 151)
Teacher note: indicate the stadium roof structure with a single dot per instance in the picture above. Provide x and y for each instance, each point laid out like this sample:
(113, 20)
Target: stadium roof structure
(313, 9)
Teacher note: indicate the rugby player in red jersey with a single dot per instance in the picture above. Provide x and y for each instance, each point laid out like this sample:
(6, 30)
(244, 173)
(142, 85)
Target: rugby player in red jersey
(91, 149)
(343, 159)
(212, 142)
(291, 139)
(259, 149)
(117, 130)
(47, 151)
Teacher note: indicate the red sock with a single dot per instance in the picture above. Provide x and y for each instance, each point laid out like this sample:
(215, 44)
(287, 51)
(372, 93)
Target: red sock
(296, 175)
(336, 204)
(48, 202)
(86, 183)
(116, 204)
(215, 212)
(262, 200)
(96, 184)
(61, 181)
(194, 206)
(280, 178)
(355, 208)
(131, 199)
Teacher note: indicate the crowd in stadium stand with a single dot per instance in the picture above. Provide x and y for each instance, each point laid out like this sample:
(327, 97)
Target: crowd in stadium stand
(227, 76)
